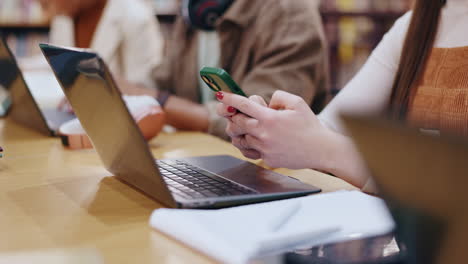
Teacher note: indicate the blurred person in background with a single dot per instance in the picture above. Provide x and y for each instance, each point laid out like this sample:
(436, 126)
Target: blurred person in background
(125, 33)
(264, 45)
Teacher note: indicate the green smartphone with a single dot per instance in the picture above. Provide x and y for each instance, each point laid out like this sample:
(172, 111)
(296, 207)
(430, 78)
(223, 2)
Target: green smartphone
(219, 80)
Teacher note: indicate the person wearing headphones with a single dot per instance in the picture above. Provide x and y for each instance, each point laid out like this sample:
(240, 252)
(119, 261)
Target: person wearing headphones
(125, 33)
(264, 45)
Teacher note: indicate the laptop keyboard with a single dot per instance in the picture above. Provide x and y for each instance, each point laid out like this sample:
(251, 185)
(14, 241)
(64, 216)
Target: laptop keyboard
(191, 182)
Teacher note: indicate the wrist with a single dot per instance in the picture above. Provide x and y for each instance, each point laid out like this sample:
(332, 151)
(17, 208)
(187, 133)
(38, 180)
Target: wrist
(154, 93)
(325, 161)
(162, 96)
(345, 162)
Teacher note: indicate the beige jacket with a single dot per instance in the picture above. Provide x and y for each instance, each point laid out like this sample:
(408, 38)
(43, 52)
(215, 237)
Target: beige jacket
(127, 37)
(265, 46)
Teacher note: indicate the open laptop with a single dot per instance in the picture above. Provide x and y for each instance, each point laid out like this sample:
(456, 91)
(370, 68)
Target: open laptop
(200, 182)
(25, 110)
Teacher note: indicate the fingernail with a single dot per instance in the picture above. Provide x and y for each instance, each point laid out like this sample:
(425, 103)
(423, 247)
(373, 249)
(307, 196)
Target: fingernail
(231, 109)
(219, 95)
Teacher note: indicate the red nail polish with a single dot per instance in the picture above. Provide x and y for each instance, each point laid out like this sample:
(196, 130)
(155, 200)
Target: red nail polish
(219, 95)
(231, 109)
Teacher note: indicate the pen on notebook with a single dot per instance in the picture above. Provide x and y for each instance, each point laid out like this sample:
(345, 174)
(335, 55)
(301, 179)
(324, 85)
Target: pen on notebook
(278, 222)
(275, 224)
(276, 241)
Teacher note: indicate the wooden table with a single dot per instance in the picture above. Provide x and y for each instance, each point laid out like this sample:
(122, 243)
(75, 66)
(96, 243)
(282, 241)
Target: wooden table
(64, 204)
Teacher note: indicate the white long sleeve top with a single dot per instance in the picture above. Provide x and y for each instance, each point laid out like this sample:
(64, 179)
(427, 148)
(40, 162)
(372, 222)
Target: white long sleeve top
(370, 90)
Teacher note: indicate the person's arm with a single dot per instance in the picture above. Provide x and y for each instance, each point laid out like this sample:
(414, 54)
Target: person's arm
(143, 44)
(291, 137)
(186, 115)
(180, 113)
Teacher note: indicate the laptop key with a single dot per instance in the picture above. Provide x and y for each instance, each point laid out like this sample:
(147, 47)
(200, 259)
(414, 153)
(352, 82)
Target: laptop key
(207, 193)
(187, 180)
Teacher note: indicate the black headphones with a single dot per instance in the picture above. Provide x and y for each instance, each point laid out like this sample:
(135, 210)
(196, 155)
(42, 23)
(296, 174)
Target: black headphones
(203, 14)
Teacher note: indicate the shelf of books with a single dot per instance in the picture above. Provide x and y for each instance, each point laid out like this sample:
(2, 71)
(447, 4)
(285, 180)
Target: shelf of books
(23, 24)
(353, 29)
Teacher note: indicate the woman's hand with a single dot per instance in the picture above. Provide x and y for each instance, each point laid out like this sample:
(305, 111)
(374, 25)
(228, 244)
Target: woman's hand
(285, 134)
(236, 133)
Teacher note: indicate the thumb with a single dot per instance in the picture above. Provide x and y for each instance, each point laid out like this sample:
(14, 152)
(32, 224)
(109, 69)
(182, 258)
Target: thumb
(259, 100)
(286, 101)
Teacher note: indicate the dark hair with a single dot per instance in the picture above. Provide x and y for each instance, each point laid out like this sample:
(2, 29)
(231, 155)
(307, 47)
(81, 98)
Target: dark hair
(418, 44)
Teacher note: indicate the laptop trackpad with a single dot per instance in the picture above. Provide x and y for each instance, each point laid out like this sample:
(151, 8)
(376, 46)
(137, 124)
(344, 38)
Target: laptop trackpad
(249, 174)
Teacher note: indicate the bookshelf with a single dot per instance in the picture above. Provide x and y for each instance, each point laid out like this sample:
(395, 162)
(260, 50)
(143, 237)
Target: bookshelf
(23, 12)
(24, 25)
(12, 28)
(353, 29)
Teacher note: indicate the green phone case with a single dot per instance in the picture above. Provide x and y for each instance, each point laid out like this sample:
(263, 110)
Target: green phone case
(219, 80)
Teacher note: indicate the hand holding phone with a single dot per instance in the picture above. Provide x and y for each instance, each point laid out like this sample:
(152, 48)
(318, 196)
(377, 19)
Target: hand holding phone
(219, 80)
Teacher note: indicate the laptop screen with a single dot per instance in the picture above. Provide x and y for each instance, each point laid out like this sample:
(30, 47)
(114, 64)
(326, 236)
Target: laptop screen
(98, 104)
(24, 109)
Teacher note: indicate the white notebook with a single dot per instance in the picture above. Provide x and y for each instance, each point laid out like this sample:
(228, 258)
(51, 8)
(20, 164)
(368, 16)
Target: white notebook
(239, 234)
